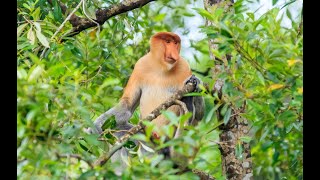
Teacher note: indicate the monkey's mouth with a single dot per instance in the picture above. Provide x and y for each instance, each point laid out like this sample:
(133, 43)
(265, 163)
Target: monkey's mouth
(170, 60)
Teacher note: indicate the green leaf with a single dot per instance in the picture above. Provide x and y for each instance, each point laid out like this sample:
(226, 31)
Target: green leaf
(140, 156)
(21, 73)
(251, 15)
(204, 13)
(31, 114)
(83, 147)
(260, 78)
(35, 73)
(265, 133)
(289, 128)
(31, 36)
(211, 112)
(159, 17)
(156, 160)
(110, 123)
(125, 158)
(37, 25)
(140, 137)
(224, 109)
(146, 148)
(188, 14)
(57, 13)
(36, 14)
(274, 2)
(189, 176)
(239, 151)
(226, 117)
(170, 116)
(289, 14)
(34, 58)
(43, 40)
(254, 105)
(21, 28)
(246, 139)
(92, 139)
(88, 174)
(108, 82)
(216, 53)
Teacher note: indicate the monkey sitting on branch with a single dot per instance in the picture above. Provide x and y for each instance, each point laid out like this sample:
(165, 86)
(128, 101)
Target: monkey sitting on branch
(155, 78)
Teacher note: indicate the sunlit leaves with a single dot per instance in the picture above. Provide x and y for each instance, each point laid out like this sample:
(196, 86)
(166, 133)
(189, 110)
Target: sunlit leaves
(204, 13)
(292, 62)
(275, 86)
(21, 28)
(42, 39)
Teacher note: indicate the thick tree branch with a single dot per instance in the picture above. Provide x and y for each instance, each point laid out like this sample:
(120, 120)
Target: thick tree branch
(189, 87)
(102, 15)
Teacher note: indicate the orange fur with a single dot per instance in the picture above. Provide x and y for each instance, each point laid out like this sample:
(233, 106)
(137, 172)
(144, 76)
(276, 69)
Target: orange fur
(157, 76)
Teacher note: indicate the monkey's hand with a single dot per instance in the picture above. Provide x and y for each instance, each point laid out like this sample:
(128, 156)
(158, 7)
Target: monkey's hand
(122, 115)
(194, 80)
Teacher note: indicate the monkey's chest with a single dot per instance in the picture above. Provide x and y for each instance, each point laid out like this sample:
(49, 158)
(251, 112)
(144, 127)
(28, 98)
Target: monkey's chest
(153, 96)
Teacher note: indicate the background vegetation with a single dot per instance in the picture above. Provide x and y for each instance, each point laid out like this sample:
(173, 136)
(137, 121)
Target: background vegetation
(82, 76)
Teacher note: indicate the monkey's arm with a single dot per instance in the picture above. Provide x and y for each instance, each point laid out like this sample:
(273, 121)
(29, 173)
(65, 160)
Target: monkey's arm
(123, 110)
(128, 103)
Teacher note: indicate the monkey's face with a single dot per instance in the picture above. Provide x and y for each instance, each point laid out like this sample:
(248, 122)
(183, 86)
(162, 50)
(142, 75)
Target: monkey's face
(166, 46)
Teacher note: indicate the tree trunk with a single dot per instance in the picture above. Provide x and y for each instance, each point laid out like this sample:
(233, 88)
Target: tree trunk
(236, 163)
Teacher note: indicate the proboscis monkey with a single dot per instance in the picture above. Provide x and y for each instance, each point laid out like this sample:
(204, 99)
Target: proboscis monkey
(155, 78)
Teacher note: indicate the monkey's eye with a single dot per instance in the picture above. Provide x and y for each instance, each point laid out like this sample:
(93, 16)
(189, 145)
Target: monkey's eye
(175, 42)
(167, 41)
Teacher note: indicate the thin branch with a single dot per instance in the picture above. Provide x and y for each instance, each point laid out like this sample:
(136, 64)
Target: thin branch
(90, 79)
(74, 156)
(29, 21)
(102, 15)
(189, 87)
(61, 26)
(202, 175)
(85, 13)
(301, 23)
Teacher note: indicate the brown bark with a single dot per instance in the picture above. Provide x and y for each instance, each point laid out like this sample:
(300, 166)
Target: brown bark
(233, 167)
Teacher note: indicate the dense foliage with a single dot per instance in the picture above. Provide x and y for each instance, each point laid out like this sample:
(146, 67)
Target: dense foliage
(79, 78)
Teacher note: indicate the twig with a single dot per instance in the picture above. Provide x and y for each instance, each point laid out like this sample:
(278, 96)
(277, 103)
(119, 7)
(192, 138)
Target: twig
(202, 175)
(85, 81)
(189, 87)
(29, 21)
(74, 156)
(61, 26)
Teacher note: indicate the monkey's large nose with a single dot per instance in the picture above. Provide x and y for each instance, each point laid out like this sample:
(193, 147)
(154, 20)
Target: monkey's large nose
(173, 57)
